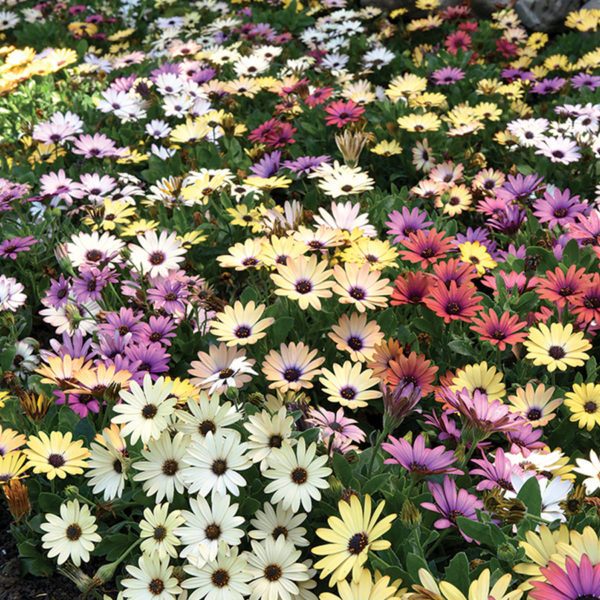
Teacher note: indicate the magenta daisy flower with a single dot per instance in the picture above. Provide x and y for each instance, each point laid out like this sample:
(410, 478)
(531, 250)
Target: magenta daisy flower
(496, 474)
(341, 113)
(158, 330)
(447, 75)
(452, 503)
(10, 248)
(96, 146)
(558, 208)
(574, 582)
(418, 459)
(548, 85)
(169, 295)
(335, 424)
(124, 322)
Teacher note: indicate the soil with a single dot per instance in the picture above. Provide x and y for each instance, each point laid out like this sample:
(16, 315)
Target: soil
(14, 585)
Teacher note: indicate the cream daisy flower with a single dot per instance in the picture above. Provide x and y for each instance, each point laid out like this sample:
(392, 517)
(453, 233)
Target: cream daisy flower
(152, 579)
(274, 568)
(92, 249)
(206, 415)
(106, 469)
(298, 475)
(273, 522)
(292, 368)
(267, 433)
(277, 250)
(243, 256)
(305, 280)
(224, 578)
(146, 412)
(590, 468)
(158, 531)
(360, 286)
(241, 324)
(342, 180)
(214, 464)
(357, 336)
(72, 535)
(163, 469)
(207, 526)
(348, 385)
(156, 255)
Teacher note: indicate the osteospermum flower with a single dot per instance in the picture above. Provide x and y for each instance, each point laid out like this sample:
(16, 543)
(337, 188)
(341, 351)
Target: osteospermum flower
(11, 293)
(451, 502)
(426, 248)
(72, 535)
(106, 468)
(156, 255)
(557, 346)
(342, 180)
(499, 330)
(292, 368)
(455, 302)
(157, 531)
(535, 404)
(305, 280)
(350, 538)
(418, 459)
(562, 288)
(267, 433)
(584, 404)
(590, 468)
(349, 386)
(341, 113)
(480, 377)
(360, 286)
(152, 578)
(476, 254)
(365, 589)
(574, 582)
(241, 324)
(145, 411)
(57, 455)
(356, 335)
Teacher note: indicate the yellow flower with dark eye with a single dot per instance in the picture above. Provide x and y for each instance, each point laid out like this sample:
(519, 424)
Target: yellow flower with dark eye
(420, 122)
(387, 148)
(584, 404)
(350, 538)
(241, 325)
(57, 455)
(80, 28)
(477, 255)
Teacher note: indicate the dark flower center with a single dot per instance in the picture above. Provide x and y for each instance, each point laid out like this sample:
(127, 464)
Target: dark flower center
(56, 460)
(160, 533)
(357, 543)
(558, 154)
(299, 475)
(91, 285)
(123, 330)
(355, 343)
(155, 336)
(93, 255)
(73, 532)
(220, 578)
(347, 188)
(212, 531)
(219, 466)
(156, 586)
(273, 572)
(242, 331)
(157, 258)
(280, 530)
(357, 293)
(292, 374)
(427, 253)
(225, 373)
(303, 286)
(336, 426)
(556, 352)
(171, 296)
(560, 212)
(249, 262)
(455, 513)
(371, 258)
(534, 414)
(117, 466)
(498, 334)
(61, 293)
(565, 291)
(590, 407)
(348, 393)
(418, 467)
(453, 308)
(275, 441)
(206, 427)
(592, 302)
(149, 411)
(170, 467)
(504, 484)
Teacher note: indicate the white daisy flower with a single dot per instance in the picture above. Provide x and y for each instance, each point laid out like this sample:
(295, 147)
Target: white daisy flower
(214, 464)
(94, 249)
(158, 531)
(553, 491)
(162, 471)
(267, 433)
(297, 475)
(590, 468)
(11, 294)
(273, 522)
(207, 415)
(205, 527)
(106, 469)
(275, 569)
(157, 255)
(145, 412)
(72, 535)
(151, 580)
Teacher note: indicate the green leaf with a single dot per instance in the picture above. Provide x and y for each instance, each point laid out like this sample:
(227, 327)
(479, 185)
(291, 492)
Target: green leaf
(570, 254)
(461, 347)
(375, 483)
(85, 430)
(457, 572)
(474, 529)
(531, 496)
(342, 469)
(280, 329)
(414, 562)
(49, 503)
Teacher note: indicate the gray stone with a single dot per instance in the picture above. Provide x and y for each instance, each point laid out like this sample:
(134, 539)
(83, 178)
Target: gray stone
(591, 4)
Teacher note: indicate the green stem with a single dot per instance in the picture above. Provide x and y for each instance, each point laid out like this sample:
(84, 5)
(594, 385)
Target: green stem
(380, 439)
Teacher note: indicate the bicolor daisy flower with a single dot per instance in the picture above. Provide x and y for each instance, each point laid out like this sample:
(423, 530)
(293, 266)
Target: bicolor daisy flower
(357, 336)
(292, 368)
(241, 325)
(360, 286)
(348, 385)
(557, 346)
(157, 255)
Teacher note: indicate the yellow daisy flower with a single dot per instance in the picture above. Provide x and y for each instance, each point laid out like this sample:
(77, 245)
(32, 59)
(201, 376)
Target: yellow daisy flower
(387, 148)
(480, 377)
(377, 253)
(57, 455)
(365, 589)
(12, 465)
(584, 404)
(349, 386)
(557, 346)
(420, 122)
(477, 255)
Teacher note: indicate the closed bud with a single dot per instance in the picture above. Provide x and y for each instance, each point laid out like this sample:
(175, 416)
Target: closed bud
(507, 553)
(17, 497)
(410, 515)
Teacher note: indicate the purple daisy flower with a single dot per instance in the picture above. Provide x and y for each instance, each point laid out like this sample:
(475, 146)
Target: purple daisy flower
(513, 74)
(548, 86)
(402, 224)
(123, 323)
(447, 75)
(58, 294)
(496, 474)
(558, 208)
(169, 295)
(525, 438)
(509, 220)
(585, 80)
(448, 430)
(452, 503)
(305, 164)
(76, 346)
(83, 404)
(91, 282)
(574, 582)
(519, 188)
(418, 459)
(111, 346)
(159, 329)
(10, 248)
(147, 358)
(267, 166)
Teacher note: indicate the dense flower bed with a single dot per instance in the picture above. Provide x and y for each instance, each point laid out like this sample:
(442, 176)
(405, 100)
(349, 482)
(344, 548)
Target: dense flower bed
(300, 301)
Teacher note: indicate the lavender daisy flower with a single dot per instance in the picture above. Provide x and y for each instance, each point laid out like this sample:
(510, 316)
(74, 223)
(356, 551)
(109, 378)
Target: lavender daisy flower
(10, 248)
(418, 459)
(452, 503)
(402, 224)
(400, 401)
(110, 347)
(96, 146)
(558, 208)
(267, 166)
(83, 404)
(158, 329)
(76, 346)
(10, 191)
(514, 74)
(58, 294)
(303, 165)
(585, 80)
(447, 75)
(59, 187)
(525, 439)
(150, 359)
(123, 322)
(91, 282)
(548, 86)
(448, 430)
(496, 474)
(169, 295)
(520, 188)
(509, 220)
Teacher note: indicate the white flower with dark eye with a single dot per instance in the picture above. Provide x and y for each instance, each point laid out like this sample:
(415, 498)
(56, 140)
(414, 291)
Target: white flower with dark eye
(151, 580)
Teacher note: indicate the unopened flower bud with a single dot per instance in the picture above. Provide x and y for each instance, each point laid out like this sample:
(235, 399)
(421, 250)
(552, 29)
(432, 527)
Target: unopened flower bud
(410, 515)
